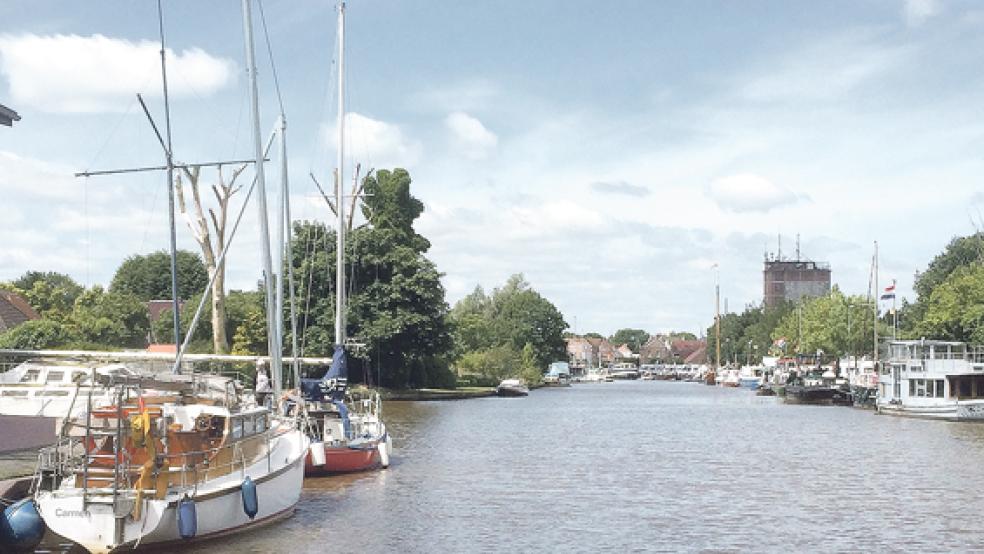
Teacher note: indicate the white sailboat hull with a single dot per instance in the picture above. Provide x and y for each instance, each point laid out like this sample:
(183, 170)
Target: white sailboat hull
(219, 505)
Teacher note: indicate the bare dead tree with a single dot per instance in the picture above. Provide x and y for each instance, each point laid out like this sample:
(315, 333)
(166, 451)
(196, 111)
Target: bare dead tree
(204, 235)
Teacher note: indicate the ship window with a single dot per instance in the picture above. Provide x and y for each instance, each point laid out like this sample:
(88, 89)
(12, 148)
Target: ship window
(237, 427)
(52, 393)
(261, 422)
(14, 393)
(248, 426)
(31, 376)
(940, 388)
(912, 387)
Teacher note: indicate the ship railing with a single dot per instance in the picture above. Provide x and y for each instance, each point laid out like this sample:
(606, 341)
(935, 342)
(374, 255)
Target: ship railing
(70, 458)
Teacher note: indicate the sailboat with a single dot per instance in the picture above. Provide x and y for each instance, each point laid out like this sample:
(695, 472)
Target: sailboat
(346, 435)
(170, 461)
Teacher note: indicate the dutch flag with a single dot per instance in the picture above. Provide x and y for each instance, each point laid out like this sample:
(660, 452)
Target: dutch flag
(889, 293)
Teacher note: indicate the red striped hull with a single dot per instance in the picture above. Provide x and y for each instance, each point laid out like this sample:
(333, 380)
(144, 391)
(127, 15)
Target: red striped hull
(340, 459)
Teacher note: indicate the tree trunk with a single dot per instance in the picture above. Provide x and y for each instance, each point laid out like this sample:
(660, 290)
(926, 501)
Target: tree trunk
(220, 340)
(203, 235)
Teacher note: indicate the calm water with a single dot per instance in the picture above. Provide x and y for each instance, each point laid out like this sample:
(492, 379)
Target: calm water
(646, 466)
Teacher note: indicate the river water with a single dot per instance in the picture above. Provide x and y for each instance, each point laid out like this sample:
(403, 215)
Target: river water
(644, 466)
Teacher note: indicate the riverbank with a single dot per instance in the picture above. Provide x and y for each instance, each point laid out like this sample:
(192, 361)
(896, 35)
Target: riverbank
(461, 393)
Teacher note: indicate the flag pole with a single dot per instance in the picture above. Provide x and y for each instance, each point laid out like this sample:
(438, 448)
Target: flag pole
(895, 315)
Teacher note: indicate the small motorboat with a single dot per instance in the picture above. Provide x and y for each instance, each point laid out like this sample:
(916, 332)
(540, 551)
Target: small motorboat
(512, 387)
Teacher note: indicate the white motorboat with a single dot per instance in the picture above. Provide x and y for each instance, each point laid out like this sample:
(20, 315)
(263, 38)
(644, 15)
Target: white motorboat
(932, 379)
(50, 388)
(512, 387)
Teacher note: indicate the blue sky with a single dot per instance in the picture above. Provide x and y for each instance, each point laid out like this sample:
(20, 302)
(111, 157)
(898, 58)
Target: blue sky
(611, 152)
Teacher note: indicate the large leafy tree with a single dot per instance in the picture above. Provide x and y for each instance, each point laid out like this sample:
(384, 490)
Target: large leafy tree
(51, 294)
(148, 277)
(514, 319)
(634, 338)
(111, 318)
(39, 334)
(396, 305)
(955, 308)
(521, 315)
(240, 309)
(836, 324)
(960, 253)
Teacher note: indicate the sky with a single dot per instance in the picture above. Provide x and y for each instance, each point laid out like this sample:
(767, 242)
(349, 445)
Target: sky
(622, 156)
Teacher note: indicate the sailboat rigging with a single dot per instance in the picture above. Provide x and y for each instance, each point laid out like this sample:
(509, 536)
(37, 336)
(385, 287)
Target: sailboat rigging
(345, 436)
(176, 457)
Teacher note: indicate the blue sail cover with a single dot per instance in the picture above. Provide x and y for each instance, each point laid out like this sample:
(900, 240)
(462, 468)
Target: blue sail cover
(332, 386)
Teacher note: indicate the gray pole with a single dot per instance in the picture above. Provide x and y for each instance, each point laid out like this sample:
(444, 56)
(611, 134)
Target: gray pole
(273, 341)
(290, 252)
(170, 190)
(340, 186)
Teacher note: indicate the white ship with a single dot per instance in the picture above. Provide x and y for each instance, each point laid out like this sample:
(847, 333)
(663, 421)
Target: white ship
(933, 379)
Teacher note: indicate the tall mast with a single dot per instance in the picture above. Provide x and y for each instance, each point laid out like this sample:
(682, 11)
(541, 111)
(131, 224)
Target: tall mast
(170, 190)
(339, 185)
(295, 365)
(273, 340)
(876, 297)
(717, 318)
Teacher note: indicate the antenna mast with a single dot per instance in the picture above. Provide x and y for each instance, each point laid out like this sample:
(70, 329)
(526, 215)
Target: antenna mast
(169, 155)
(339, 184)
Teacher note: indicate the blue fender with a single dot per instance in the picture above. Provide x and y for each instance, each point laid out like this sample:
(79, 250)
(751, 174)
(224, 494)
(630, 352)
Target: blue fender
(187, 518)
(250, 503)
(21, 526)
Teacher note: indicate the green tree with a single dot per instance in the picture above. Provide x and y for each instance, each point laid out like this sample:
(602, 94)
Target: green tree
(238, 305)
(389, 205)
(396, 304)
(955, 308)
(634, 338)
(514, 319)
(472, 318)
(51, 294)
(521, 315)
(250, 337)
(148, 277)
(110, 318)
(961, 252)
(836, 324)
(38, 334)
(497, 363)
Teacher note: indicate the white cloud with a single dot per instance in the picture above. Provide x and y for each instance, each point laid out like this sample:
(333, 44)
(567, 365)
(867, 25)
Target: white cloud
(747, 192)
(82, 74)
(824, 70)
(35, 178)
(462, 96)
(620, 187)
(471, 137)
(375, 143)
(918, 11)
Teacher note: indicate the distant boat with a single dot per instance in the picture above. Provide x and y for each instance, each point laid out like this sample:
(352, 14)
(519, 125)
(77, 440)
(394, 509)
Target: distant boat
(934, 380)
(750, 376)
(512, 387)
(624, 370)
(558, 375)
